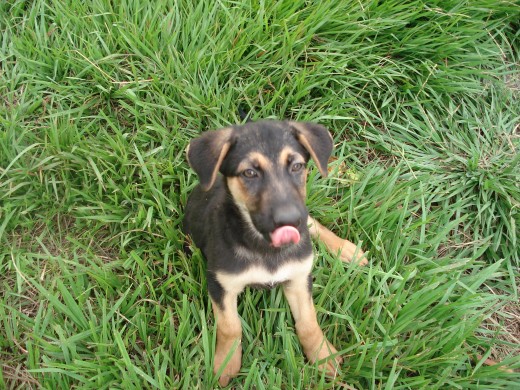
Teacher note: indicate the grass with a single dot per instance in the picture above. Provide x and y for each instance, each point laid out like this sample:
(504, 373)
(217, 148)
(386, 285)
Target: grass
(98, 102)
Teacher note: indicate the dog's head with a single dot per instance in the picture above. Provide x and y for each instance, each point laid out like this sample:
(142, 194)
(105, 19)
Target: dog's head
(265, 168)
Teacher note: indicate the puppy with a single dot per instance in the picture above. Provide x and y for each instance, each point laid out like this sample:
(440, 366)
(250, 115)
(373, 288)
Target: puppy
(253, 228)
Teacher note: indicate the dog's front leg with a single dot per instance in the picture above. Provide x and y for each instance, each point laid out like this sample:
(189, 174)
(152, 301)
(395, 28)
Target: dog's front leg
(229, 333)
(315, 345)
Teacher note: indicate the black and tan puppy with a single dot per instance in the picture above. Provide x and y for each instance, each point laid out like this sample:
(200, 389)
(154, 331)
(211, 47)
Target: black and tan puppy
(252, 225)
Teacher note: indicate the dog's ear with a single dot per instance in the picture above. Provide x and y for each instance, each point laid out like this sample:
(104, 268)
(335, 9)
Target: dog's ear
(206, 153)
(317, 140)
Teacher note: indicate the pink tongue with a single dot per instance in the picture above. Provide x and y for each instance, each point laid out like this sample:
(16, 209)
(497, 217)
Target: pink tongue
(285, 235)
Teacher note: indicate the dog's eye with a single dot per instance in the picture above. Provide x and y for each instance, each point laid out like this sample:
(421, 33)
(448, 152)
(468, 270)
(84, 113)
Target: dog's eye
(297, 167)
(250, 173)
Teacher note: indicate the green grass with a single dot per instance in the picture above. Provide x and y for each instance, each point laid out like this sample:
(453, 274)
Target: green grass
(97, 104)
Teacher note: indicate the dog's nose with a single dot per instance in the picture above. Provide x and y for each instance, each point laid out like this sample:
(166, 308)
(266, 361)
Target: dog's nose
(287, 215)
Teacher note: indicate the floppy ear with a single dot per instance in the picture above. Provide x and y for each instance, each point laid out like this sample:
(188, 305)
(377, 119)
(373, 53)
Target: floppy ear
(206, 153)
(317, 140)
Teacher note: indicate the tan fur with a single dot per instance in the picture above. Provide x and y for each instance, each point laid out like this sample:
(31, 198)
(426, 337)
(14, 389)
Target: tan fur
(298, 158)
(239, 192)
(314, 343)
(286, 152)
(303, 188)
(347, 250)
(301, 127)
(219, 147)
(223, 152)
(307, 145)
(243, 201)
(255, 159)
(229, 333)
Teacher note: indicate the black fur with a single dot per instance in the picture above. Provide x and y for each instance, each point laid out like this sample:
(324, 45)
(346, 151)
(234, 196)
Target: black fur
(229, 242)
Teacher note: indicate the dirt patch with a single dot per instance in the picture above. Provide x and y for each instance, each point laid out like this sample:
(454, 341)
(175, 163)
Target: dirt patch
(506, 322)
(510, 323)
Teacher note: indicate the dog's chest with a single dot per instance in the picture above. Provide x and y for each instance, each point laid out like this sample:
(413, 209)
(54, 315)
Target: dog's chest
(259, 276)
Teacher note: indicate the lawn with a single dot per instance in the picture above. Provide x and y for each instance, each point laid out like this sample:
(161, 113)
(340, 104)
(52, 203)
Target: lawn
(98, 100)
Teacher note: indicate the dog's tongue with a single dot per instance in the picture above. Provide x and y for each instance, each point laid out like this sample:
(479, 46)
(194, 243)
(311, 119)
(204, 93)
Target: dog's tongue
(285, 235)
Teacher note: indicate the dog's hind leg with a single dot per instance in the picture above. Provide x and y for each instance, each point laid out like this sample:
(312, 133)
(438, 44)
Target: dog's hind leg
(348, 252)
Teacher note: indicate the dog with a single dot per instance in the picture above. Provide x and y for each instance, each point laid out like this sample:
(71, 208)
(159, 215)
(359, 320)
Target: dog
(252, 226)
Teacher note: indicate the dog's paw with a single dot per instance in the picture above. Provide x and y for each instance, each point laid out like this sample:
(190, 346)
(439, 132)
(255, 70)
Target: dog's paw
(232, 368)
(330, 364)
(350, 253)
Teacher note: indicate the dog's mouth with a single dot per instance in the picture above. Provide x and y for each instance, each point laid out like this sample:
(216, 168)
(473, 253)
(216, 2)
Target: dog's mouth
(284, 235)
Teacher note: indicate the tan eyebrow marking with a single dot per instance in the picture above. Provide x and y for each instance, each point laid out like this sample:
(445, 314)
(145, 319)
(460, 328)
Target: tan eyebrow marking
(255, 158)
(288, 151)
